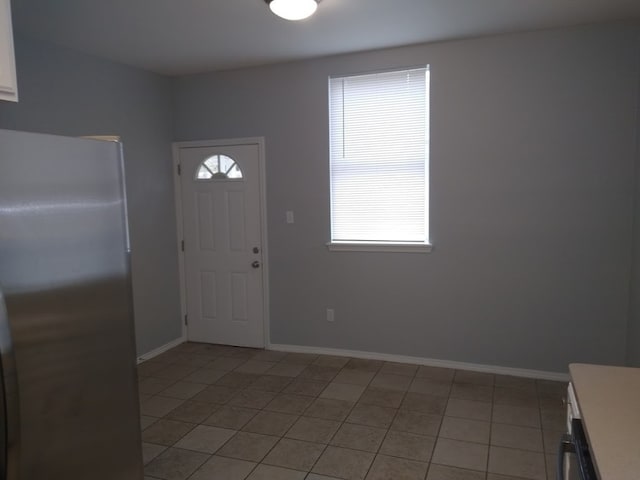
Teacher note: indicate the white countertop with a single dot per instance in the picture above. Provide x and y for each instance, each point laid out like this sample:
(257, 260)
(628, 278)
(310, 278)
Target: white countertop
(609, 402)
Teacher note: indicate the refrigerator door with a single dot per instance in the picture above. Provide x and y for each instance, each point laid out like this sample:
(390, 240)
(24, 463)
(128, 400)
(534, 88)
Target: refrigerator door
(64, 271)
(9, 412)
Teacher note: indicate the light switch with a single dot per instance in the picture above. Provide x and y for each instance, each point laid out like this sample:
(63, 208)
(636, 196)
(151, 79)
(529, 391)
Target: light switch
(289, 216)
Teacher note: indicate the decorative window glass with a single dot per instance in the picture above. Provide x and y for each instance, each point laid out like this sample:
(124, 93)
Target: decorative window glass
(218, 167)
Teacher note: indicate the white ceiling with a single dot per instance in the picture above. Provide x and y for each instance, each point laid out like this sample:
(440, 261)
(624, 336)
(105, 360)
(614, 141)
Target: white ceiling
(189, 36)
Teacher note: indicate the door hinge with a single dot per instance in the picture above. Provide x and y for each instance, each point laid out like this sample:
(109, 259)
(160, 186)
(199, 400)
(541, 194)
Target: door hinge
(182, 245)
(186, 319)
(179, 170)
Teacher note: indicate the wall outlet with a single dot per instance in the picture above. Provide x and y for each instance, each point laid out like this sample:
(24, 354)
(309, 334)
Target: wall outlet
(289, 215)
(331, 315)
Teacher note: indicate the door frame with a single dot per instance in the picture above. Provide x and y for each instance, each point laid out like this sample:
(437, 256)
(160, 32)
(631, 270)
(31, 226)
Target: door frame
(262, 184)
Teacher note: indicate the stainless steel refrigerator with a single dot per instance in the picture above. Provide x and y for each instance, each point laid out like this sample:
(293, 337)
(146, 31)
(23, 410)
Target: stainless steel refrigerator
(69, 398)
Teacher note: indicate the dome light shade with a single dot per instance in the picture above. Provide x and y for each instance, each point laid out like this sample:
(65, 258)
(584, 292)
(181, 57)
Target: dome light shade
(293, 9)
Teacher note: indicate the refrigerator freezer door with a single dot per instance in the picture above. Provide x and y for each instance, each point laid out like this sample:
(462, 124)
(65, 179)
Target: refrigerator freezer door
(9, 412)
(64, 270)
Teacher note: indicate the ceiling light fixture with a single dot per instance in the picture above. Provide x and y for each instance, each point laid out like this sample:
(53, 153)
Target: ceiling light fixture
(293, 9)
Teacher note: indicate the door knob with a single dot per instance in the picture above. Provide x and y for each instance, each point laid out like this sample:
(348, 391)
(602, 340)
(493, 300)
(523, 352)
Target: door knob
(256, 250)
(255, 264)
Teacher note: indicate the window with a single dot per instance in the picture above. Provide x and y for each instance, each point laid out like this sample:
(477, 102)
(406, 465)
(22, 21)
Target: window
(379, 136)
(218, 167)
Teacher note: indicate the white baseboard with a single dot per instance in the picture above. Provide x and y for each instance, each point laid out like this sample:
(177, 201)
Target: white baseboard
(157, 351)
(431, 362)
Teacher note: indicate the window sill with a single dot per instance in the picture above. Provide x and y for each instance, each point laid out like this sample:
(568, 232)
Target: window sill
(379, 247)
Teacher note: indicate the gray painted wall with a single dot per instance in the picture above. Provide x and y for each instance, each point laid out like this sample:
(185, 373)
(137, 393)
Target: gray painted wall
(633, 334)
(68, 93)
(532, 193)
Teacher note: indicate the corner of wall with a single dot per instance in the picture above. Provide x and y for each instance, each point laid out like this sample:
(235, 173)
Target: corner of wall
(633, 327)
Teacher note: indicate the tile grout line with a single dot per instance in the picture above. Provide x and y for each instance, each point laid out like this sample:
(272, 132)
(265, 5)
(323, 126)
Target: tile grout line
(343, 421)
(260, 462)
(493, 403)
(544, 456)
(210, 456)
(437, 437)
(257, 464)
(404, 395)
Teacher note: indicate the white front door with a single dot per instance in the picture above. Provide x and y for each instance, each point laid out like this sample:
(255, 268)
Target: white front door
(221, 212)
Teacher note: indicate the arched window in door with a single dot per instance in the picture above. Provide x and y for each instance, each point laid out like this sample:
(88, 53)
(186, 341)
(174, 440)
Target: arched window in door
(218, 167)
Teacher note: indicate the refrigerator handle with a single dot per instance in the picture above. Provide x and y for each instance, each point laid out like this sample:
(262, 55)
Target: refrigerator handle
(566, 446)
(9, 410)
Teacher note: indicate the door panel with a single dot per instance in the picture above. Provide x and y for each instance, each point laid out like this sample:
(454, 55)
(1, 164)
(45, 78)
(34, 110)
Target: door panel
(206, 220)
(220, 188)
(236, 215)
(208, 297)
(239, 297)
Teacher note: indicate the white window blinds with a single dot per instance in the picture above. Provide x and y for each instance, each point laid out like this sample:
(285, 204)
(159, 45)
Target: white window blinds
(379, 129)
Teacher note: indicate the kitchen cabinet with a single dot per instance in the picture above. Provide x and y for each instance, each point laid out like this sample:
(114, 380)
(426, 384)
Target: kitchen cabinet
(607, 400)
(8, 82)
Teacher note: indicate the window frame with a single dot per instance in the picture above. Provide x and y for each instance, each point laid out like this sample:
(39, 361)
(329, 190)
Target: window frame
(384, 246)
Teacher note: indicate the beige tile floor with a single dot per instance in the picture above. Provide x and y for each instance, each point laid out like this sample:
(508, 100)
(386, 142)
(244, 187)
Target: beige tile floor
(212, 412)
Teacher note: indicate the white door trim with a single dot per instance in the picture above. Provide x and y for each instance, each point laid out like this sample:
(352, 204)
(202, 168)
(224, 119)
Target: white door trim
(177, 188)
